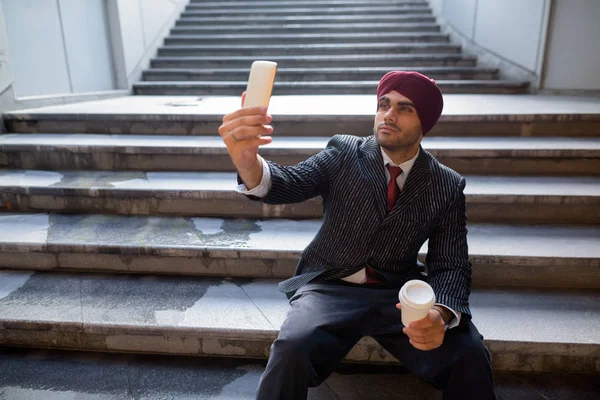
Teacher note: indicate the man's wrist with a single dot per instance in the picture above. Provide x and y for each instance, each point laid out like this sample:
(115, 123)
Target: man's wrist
(252, 176)
(446, 314)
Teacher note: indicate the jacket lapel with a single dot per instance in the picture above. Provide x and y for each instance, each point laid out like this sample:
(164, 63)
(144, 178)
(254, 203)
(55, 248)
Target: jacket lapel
(419, 180)
(373, 173)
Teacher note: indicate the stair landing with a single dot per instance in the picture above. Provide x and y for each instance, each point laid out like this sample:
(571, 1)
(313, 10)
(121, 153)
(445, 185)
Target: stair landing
(464, 115)
(460, 106)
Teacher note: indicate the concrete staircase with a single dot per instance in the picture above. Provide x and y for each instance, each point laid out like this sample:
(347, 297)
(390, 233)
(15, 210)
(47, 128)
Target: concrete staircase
(122, 233)
(322, 47)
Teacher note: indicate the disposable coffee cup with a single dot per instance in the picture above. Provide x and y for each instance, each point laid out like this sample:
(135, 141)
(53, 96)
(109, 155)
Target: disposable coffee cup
(417, 298)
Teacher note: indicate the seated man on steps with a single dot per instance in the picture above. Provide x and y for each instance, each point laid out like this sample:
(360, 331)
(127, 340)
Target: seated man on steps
(383, 197)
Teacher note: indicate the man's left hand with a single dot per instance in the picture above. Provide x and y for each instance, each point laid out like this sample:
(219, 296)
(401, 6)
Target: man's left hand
(427, 333)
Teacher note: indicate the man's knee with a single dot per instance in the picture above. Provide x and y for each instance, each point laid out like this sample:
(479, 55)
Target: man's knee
(296, 353)
(472, 349)
(294, 345)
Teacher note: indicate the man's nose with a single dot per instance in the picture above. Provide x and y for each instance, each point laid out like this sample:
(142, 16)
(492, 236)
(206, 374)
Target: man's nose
(390, 115)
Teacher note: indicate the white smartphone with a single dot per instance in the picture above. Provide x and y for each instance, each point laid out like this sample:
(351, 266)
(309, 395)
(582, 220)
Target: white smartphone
(260, 84)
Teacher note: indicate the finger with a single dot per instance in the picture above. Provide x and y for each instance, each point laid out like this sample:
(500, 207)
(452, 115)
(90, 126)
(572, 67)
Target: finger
(251, 126)
(420, 334)
(242, 112)
(436, 323)
(425, 322)
(399, 306)
(261, 141)
(249, 143)
(425, 347)
(243, 98)
(422, 323)
(423, 340)
(250, 120)
(250, 132)
(419, 346)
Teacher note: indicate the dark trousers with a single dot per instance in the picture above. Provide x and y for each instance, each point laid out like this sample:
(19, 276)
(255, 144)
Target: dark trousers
(327, 319)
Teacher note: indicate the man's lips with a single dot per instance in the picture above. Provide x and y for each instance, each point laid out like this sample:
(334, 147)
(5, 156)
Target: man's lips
(387, 128)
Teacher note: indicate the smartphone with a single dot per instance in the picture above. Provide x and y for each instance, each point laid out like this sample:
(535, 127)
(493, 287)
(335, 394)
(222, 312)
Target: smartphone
(260, 84)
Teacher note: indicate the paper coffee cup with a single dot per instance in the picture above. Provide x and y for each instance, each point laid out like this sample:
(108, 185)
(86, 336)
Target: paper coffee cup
(417, 298)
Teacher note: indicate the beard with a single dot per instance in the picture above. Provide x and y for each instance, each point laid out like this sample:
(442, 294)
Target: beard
(402, 139)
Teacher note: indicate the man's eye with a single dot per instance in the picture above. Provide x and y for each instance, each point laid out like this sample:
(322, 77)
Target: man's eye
(407, 109)
(383, 105)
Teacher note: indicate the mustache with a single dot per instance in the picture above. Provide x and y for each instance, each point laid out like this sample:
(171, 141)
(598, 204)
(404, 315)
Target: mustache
(389, 125)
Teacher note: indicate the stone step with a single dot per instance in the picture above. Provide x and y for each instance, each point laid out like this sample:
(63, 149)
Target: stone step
(301, 19)
(295, 3)
(464, 115)
(371, 11)
(50, 374)
(392, 61)
(62, 375)
(308, 38)
(231, 88)
(483, 155)
(566, 200)
(271, 29)
(330, 49)
(241, 318)
(315, 74)
(304, 4)
(502, 255)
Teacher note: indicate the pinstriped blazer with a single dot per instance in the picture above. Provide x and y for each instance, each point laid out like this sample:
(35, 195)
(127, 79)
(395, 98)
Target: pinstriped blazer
(349, 175)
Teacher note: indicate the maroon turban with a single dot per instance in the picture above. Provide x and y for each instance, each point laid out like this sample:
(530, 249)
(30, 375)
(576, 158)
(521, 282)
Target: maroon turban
(421, 90)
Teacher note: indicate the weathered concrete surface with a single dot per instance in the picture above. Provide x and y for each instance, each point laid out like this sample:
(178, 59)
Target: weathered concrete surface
(54, 375)
(574, 200)
(502, 255)
(487, 115)
(467, 155)
(240, 318)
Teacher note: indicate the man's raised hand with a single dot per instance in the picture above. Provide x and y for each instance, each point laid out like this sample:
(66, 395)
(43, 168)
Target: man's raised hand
(243, 132)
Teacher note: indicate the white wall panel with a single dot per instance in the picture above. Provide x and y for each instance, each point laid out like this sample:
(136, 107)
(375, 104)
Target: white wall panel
(511, 29)
(36, 47)
(461, 14)
(6, 76)
(155, 14)
(88, 49)
(132, 32)
(573, 54)
(437, 6)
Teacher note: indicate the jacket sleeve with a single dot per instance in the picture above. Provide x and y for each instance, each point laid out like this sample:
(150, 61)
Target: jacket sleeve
(448, 265)
(308, 179)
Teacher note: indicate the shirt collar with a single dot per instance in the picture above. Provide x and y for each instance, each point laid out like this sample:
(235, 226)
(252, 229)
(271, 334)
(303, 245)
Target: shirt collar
(406, 165)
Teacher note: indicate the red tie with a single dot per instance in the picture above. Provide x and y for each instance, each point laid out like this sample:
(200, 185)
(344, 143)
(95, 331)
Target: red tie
(393, 189)
(392, 195)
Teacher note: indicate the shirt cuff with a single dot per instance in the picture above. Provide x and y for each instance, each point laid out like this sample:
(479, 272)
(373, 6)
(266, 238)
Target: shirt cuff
(265, 184)
(457, 314)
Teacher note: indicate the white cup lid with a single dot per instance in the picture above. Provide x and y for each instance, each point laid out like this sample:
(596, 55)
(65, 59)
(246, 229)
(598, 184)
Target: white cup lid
(417, 294)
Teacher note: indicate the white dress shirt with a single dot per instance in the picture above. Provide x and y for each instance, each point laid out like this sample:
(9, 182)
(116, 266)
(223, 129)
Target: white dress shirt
(360, 277)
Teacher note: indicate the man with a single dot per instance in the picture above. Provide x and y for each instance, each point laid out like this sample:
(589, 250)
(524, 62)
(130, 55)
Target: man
(383, 197)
